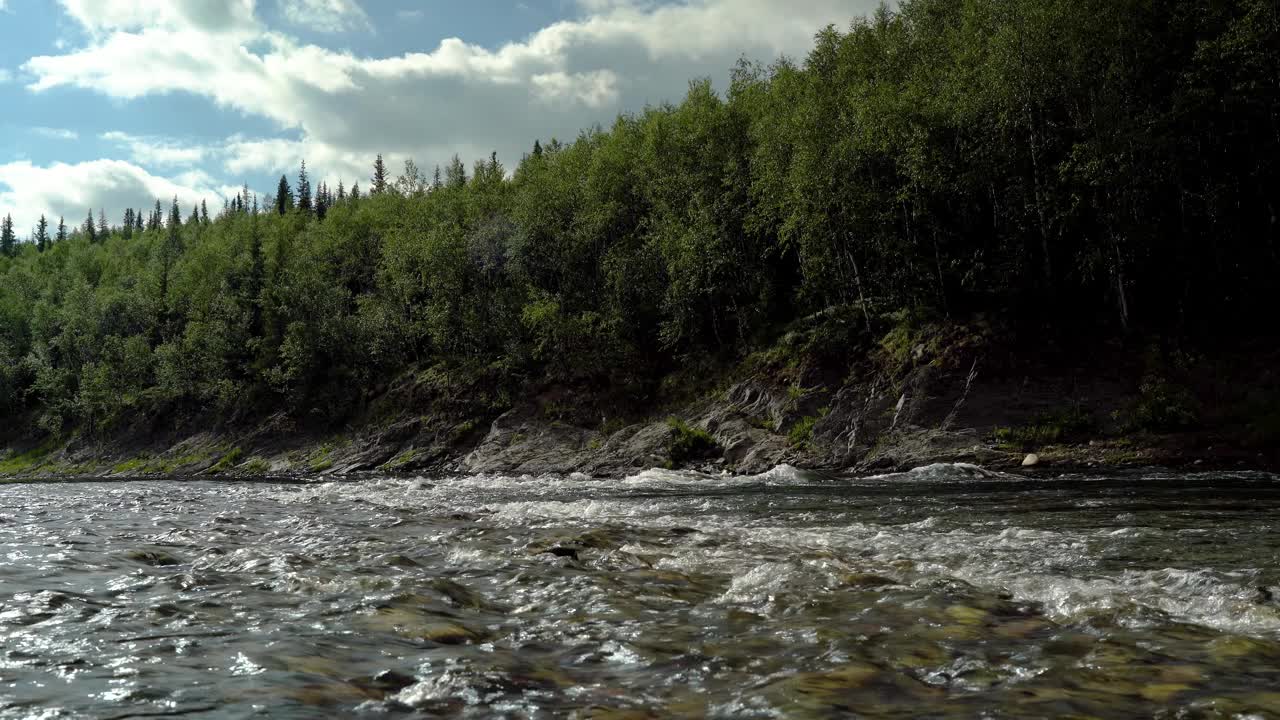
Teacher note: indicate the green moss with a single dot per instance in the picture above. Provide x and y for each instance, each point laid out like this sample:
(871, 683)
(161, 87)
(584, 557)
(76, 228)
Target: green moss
(399, 461)
(132, 465)
(689, 443)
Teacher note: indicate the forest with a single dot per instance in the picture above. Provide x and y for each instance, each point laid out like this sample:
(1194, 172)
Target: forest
(1092, 168)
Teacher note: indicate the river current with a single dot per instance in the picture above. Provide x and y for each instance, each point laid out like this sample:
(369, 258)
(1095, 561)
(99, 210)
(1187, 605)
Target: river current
(944, 592)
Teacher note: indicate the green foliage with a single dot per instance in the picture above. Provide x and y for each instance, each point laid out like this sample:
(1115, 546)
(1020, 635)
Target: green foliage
(227, 461)
(1107, 164)
(1162, 406)
(257, 466)
(689, 443)
(801, 434)
(1072, 424)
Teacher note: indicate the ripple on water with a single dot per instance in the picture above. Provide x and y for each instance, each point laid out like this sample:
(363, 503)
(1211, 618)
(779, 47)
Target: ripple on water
(947, 591)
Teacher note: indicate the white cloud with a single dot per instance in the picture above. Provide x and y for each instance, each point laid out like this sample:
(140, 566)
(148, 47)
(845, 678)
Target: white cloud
(458, 97)
(210, 16)
(159, 152)
(56, 133)
(71, 190)
(330, 16)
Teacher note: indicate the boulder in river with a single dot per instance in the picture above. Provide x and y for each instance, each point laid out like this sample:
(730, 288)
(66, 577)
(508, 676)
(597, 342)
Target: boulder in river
(1031, 460)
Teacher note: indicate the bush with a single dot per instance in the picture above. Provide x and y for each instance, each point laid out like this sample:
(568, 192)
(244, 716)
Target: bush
(1066, 425)
(689, 443)
(1162, 407)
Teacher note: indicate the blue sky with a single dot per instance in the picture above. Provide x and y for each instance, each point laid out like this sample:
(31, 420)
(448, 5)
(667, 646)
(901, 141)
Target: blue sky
(113, 103)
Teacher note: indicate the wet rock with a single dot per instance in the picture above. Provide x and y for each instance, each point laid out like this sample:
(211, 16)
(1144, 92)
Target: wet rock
(562, 551)
(387, 681)
(463, 596)
(448, 634)
(154, 558)
(866, 580)
(1031, 460)
(400, 561)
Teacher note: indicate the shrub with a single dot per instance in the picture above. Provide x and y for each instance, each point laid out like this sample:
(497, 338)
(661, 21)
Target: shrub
(1066, 425)
(689, 443)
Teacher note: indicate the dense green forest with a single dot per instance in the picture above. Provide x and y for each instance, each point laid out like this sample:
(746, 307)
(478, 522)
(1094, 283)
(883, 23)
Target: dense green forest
(1082, 166)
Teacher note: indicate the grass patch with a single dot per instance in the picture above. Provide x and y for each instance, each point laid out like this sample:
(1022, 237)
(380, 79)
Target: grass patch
(801, 434)
(1067, 425)
(400, 460)
(131, 465)
(227, 461)
(688, 442)
(257, 466)
(29, 460)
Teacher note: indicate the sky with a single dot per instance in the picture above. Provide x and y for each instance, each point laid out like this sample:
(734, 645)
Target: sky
(116, 103)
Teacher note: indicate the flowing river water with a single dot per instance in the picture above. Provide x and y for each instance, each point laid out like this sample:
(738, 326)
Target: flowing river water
(944, 592)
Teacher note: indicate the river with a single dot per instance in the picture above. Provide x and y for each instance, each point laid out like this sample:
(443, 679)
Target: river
(944, 592)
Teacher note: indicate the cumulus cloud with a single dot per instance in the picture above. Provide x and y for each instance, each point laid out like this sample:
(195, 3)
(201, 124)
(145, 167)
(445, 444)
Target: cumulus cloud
(71, 190)
(341, 108)
(330, 16)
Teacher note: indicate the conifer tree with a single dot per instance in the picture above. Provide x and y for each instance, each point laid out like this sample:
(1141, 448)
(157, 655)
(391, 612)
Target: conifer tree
(342, 194)
(322, 201)
(304, 190)
(284, 196)
(62, 229)
(126, 227)
(436, 184)
(537, 149)
(42, 234)
(104, 230)
(90, 231)
(8, 241)
(137, 221)
(204, 212)
(355, 192)
(379, 176)
(456, 174)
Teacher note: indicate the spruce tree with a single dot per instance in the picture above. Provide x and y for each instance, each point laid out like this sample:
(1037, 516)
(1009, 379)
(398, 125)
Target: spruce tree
(137, 221)
(204, 212)
(304, 189)
(379, 176)
(355, 192)
(322, 201)
(90, 231)
(436, 184)
(8, 241)
(284, 196)
(62, 229)
(126, 227)
(42, 234)
(537, 149)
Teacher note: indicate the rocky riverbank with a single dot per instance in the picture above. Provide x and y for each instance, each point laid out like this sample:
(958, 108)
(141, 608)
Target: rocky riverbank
(960, 405)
